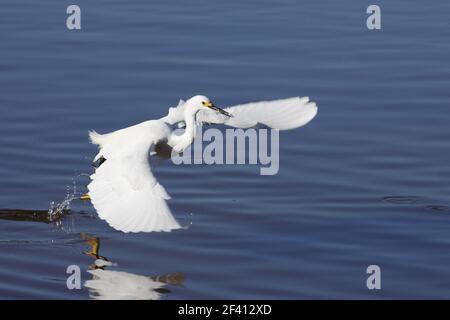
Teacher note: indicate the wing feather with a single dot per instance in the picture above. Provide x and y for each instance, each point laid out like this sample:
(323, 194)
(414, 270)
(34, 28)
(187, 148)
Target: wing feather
(123, 189)
(282, 114)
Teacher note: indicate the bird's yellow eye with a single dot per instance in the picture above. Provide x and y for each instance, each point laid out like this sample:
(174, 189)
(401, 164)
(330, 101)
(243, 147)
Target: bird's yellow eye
(204, 103)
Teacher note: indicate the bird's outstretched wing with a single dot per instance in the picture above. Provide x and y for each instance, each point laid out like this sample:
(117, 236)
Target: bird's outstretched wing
(283, 114)
(123, 189)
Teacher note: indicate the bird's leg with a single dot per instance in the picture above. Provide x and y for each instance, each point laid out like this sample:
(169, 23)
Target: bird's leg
(94, 244)
(96, 165)
(99, 162)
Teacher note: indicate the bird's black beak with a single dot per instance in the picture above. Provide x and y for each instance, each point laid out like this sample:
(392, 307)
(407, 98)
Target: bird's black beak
(220, 110)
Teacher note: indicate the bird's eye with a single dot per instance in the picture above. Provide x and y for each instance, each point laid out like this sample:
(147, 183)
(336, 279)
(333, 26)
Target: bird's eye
(204, 103)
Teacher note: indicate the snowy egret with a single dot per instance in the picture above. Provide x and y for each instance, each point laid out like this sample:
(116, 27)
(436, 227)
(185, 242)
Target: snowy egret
(123, 189)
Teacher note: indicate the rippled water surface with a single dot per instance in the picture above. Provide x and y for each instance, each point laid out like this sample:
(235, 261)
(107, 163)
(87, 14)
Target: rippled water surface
(367, 182)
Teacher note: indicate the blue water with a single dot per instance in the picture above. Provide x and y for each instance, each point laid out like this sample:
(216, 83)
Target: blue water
(367, 182)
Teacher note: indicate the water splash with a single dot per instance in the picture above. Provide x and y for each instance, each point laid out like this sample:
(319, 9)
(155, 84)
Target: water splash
(57, 209)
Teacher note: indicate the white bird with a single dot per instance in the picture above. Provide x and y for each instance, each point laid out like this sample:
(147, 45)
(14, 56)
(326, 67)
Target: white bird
(123, 189)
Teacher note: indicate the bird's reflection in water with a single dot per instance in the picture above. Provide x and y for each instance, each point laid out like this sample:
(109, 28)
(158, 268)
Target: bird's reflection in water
(105, 284)
(119, 285)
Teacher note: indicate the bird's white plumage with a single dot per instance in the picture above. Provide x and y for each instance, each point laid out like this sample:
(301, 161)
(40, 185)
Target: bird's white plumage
(176, 114)
(123, 189)
(282, 114)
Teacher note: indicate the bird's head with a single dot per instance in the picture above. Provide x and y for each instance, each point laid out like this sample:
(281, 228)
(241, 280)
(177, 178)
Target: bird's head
(202, 102)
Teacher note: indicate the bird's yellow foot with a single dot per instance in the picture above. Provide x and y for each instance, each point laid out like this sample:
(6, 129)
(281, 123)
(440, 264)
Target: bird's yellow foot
(85, 197)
